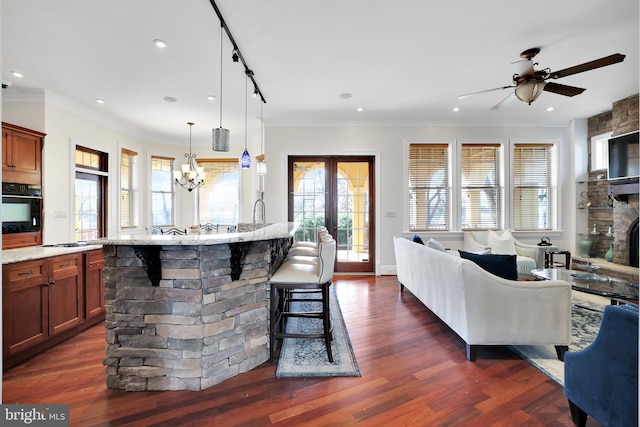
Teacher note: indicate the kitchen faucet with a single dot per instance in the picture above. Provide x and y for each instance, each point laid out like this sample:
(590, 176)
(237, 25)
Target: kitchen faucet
(255, 205)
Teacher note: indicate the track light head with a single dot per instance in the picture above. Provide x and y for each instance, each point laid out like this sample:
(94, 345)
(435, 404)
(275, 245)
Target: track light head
(235, 56)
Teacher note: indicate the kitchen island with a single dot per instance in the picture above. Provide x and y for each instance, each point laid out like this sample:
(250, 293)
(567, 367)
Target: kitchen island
(188, 312)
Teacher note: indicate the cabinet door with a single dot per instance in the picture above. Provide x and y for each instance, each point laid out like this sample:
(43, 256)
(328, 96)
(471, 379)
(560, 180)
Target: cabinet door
(93, 284)
(7, 153)
(66, 296)
(25, 306)
(27, 150)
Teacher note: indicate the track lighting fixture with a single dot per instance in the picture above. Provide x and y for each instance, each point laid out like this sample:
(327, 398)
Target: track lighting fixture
(245, 160)
(234, 56)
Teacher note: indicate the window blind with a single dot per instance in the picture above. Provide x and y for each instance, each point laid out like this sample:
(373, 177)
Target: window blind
(162, 191)
(219, 196)
(128, 188)
(429, 191)
(534, 186)
(481, 189)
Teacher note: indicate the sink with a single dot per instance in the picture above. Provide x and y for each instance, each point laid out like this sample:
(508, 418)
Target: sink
(66, 245)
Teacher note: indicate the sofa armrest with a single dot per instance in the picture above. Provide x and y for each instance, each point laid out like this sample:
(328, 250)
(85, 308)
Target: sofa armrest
(533, 251)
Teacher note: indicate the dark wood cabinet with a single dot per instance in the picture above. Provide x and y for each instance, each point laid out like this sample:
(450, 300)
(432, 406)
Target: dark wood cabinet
(20, 240)
(94, 284)
(43, 304)
(21, 155)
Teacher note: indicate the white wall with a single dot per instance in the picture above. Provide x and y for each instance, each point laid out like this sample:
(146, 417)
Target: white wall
(387, 145)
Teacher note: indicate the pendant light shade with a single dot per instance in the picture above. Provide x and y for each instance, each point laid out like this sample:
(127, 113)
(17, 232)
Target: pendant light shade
(220, 139)
(245, 160)
(220, 135)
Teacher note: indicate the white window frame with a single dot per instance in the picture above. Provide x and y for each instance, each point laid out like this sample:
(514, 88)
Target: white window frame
(599, 151)
(172, 186)
(134, 191)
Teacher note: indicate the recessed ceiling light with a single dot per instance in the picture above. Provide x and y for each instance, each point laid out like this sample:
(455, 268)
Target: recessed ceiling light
(17, 74)
(211, 98)
(456, 109)
(346, 95)
(160, 43)
(549, 108)
(100, 101)
(169, 99)
(359, 109)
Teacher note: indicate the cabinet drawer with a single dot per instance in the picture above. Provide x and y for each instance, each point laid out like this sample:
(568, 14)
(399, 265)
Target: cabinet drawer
(66, 266)
(21, 240)
(94, 260)
(24, 274)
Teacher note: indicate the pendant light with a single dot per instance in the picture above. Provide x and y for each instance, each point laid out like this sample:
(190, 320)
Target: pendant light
(190, 175)
(245, 160)
(261, 165)
(221, 135)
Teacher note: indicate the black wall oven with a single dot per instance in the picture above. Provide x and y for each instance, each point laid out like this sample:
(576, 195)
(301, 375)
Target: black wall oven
(21, 208)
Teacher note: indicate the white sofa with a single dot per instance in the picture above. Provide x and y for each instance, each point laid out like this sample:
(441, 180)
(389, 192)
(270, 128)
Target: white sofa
(481, 308)
(529, 257)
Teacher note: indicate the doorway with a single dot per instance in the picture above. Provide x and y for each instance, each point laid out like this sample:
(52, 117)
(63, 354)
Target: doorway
(336, 192)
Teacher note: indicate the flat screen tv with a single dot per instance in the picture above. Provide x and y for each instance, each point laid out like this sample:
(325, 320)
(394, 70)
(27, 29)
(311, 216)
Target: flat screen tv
(624, 156)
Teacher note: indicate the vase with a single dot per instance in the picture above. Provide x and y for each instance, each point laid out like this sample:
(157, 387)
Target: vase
(585, 248)
(609, 255)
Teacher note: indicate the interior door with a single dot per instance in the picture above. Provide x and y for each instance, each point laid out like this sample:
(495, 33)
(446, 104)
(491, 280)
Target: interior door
(336, 192)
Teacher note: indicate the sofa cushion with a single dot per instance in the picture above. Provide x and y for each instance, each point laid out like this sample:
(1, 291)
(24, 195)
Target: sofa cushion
(500, 265)
(418, 239)
(501, 244)
(434, 244)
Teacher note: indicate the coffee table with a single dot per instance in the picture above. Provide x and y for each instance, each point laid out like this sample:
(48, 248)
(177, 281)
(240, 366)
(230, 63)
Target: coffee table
(592, 283)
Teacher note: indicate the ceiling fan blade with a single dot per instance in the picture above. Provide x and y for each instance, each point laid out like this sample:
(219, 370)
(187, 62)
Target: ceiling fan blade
(591, 65)
(563, 89)
(508, 99)
(483, 91)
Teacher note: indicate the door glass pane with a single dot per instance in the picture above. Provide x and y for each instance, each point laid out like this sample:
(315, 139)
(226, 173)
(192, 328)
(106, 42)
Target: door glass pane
(353, 211)
(309, 198)
(86, 209)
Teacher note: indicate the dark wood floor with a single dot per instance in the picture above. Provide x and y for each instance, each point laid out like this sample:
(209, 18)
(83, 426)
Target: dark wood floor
(414, 373)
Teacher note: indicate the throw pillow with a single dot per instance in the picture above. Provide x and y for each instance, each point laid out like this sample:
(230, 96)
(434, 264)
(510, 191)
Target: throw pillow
(418, 239)
(500, 265)
(434, 244)
(503, 245)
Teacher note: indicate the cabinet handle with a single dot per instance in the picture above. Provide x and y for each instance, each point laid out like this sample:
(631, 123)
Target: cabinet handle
(53, 282)
(22, 273)
(64, 264)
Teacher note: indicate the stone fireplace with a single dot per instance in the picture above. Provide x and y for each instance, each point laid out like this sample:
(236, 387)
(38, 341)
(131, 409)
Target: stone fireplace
(625, 221)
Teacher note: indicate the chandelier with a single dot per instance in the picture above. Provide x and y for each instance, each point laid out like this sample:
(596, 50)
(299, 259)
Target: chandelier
(190, 175)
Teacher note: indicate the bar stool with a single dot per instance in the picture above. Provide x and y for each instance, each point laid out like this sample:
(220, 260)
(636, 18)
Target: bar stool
(293, 277)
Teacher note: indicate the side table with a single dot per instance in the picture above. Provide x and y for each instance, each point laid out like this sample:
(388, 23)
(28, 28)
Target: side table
(549, 260)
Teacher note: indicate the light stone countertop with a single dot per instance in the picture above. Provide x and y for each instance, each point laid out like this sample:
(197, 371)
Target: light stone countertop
(10, 256)
(273, 231)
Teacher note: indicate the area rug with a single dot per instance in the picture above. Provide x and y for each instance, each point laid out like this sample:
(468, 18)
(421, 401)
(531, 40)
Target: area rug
(306, 357)
(586, 315)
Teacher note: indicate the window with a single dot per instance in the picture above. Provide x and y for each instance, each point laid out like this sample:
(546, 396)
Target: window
(481, 189)
(162, 191)
(470, 185)
(219, 196)
(128, 188)
(429, 191)
(534, 182)
(90, 211)
(600, 151)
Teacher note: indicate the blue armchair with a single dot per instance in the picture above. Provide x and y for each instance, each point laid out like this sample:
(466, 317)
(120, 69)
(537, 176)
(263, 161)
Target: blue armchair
(602, 380)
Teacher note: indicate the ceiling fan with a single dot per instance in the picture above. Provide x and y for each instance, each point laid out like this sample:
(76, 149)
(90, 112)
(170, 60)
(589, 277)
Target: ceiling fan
(529, 83)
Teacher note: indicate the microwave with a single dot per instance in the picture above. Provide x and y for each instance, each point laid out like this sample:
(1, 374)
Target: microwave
(21, 208)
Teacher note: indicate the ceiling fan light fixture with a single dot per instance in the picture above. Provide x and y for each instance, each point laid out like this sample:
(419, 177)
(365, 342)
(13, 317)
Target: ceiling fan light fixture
(529, 90)
(524, 67)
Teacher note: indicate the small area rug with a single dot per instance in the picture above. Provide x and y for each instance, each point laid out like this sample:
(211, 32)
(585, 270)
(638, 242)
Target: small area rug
(307, 357)
(586, 315)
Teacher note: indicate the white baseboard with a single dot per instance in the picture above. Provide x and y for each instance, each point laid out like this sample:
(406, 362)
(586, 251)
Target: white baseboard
(387, 270)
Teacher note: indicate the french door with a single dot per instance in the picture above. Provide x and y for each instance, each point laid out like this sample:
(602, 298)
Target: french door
(336, 192)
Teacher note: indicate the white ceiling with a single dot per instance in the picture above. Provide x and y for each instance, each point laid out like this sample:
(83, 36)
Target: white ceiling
(404, 61)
